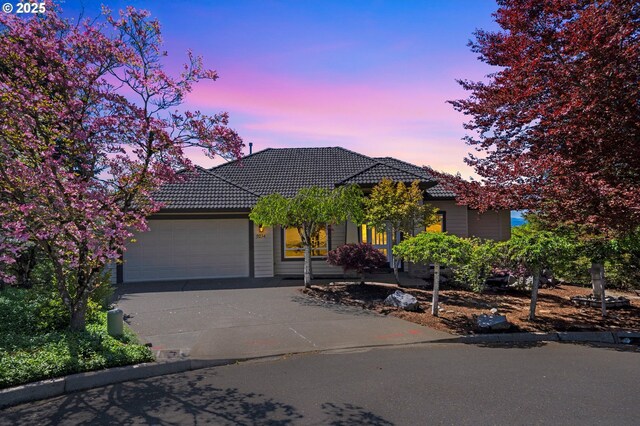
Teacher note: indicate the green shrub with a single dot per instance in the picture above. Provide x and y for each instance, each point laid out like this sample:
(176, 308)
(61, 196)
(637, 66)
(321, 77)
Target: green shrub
(30, 352)
(479, 261)
(103, 293)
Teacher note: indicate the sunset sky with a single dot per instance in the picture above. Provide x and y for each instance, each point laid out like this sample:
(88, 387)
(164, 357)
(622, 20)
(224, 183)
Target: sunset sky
(371, 76)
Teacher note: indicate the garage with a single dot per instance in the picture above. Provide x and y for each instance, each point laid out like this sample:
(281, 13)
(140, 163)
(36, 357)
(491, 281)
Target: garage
(175, 249)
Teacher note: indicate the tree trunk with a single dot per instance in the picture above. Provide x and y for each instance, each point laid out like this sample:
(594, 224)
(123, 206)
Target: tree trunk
(603, 299)
(436, 288)
(396, 274)
(78, 315)
(362, 278)
(307, 266)
(534, 294)
(393, 259)
(596, 279)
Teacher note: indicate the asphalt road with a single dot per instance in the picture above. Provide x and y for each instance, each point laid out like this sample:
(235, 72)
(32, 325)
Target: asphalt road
(414, 385)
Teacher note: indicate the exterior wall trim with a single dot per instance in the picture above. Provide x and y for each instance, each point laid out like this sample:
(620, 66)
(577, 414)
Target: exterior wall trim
(252, 272)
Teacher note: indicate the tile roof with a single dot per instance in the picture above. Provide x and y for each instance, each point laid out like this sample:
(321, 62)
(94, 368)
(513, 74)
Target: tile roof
(435, 192)
(439, 191)
(202, 189)
(287, 170)
(375, 173)
(239, 184)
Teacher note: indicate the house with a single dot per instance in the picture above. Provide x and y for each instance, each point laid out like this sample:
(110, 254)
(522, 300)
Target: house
(204, 231)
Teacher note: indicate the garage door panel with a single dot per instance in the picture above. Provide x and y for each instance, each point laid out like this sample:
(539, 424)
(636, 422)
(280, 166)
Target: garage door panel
(186, 249)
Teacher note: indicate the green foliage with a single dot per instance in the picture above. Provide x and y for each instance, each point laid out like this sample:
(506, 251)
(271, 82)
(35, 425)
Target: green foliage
(35, 344)
(311, 207)
(103, 292)
(623, 267)
(621, 255)
(399, 208)
(534, 248)
(433, 247)
(477, 265)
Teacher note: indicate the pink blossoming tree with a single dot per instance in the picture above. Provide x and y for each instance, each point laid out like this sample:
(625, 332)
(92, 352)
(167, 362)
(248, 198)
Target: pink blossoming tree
(89, 128)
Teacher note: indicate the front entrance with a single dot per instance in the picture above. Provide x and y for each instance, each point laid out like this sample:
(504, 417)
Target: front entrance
(379, 239)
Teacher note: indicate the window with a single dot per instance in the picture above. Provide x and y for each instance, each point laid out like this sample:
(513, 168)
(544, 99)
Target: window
(438, 226)
(293, 248)
(376, 238)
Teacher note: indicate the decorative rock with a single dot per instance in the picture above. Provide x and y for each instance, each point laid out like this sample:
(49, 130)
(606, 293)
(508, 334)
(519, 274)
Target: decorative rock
(494, 311)
(492, 322)
(402, 300)
(610, 302)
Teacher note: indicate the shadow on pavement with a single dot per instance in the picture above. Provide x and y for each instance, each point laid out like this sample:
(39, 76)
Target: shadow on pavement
(332, 306)
(176, 400)
(204, 284)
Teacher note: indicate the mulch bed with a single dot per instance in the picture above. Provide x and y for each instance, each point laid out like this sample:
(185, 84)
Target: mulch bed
(554, 311)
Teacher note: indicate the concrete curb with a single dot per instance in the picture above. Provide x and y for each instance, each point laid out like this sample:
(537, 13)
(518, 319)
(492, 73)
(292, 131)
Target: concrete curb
(610, 337)
(81, 381)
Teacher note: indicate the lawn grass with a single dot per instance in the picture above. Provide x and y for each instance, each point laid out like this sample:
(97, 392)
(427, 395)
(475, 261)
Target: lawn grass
(36, 345)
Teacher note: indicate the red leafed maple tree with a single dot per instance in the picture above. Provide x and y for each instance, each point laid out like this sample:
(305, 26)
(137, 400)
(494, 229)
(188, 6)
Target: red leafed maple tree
(557, 126)
(89, 128)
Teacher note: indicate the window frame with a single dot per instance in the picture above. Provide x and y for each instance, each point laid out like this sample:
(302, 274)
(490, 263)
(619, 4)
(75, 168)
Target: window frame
(443, 214)
(284, 258)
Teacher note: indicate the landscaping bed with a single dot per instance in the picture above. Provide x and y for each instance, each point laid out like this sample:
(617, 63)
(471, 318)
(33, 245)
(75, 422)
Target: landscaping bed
(35, 344)
(554, 312)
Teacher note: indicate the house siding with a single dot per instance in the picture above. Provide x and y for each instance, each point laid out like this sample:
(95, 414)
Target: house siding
(338, 235)
(263, 252)
(111, 268)
(456, 217)
(495, 225)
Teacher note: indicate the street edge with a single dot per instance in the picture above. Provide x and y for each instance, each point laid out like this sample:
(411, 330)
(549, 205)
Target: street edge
(51, 388)
(610, 337)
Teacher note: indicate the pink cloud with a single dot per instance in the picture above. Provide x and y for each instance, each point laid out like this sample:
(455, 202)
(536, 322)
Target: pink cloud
(378, 118)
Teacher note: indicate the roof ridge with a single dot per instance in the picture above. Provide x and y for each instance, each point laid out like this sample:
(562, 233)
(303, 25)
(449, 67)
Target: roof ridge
(240, 159)
(219, 176)
(401, 161)
(380, 163)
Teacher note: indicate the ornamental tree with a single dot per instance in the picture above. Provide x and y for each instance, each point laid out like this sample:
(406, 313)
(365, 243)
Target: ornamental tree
(309, 211)
(438, 248)
(89, 128)
(397, 208)
(557, 124)
(535, 250)
(357, 257)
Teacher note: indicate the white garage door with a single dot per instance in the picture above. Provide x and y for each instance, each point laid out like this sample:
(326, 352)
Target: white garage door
(189, 249)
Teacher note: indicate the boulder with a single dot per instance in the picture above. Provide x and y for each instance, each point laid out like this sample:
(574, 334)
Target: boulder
(492, 322)
(402, 300)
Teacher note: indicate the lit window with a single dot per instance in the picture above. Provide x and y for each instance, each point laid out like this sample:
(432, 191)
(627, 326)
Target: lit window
(293, 247)
(376, 238)
(438, 226)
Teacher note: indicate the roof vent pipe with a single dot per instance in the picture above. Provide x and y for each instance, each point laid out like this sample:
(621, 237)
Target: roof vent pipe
(250, 148)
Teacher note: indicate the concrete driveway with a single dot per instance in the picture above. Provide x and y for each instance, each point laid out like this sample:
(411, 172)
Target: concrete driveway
(243, 318)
